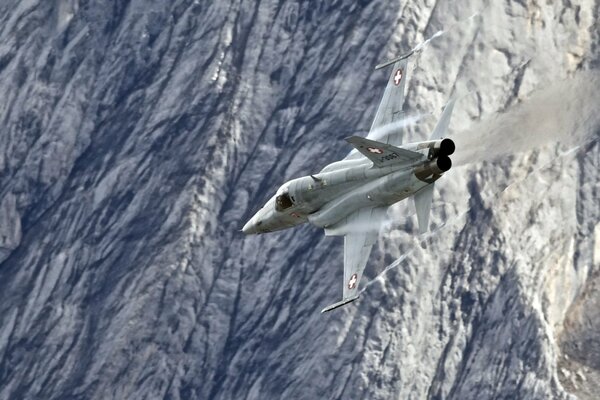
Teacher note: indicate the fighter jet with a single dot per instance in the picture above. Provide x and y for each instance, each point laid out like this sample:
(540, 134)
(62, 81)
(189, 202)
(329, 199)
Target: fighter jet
(345, 197)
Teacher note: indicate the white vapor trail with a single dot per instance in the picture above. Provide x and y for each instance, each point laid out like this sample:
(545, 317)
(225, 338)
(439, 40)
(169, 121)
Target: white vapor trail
(565, 112)
(422, 45)
(394, 127)
(418, 48)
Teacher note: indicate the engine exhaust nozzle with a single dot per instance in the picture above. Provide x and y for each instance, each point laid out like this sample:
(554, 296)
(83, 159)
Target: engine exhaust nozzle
(446, 147)
(443, 164)
(434, 167)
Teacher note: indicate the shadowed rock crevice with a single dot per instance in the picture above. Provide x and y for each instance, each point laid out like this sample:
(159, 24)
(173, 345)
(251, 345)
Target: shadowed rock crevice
(136, 137)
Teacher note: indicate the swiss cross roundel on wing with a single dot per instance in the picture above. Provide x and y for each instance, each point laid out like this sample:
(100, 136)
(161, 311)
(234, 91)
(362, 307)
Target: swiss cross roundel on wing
(353, 281)
(398, 76)
(374, 150)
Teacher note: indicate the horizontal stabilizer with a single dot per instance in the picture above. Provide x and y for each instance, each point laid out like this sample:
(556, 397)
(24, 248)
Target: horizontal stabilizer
(338, 304)
(383, 154)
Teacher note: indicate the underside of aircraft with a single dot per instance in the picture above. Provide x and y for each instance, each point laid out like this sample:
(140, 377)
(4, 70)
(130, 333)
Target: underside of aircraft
(350, 197)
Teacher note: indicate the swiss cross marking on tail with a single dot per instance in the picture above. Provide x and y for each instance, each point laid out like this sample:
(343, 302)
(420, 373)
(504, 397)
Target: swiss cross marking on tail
(398, 77)
(352, 281)
(375, 150)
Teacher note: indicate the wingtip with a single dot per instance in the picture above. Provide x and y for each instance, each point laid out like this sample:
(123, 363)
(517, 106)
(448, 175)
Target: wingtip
(402, 57)
(338, 304)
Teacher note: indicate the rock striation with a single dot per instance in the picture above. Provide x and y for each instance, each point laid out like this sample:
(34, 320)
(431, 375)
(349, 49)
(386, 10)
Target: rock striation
(136, 138)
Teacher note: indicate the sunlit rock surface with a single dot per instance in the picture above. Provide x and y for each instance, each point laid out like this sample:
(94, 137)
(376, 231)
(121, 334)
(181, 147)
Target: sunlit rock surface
(136, 138)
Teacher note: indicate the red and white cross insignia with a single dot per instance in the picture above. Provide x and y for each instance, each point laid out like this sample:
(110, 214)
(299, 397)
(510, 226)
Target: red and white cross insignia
(398, 77)
(352, 281)
(375, 150)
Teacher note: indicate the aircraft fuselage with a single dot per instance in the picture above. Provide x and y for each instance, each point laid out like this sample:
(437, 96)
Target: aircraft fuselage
(345, 186)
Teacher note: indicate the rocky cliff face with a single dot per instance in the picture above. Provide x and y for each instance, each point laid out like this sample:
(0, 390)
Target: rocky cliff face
(136, 138)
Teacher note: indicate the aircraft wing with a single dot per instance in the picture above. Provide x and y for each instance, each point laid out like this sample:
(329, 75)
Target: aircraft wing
(390, 107)
(360, 234)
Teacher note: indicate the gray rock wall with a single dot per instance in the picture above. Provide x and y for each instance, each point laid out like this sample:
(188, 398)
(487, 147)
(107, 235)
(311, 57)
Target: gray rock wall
(136, 138)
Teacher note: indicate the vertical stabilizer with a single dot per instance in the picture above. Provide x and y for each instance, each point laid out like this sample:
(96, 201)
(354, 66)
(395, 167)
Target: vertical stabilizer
(423, 200)
(442, 126)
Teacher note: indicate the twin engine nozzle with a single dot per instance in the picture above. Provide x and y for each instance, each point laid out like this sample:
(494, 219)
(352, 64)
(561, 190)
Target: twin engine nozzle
(440, 162)
(442, 149)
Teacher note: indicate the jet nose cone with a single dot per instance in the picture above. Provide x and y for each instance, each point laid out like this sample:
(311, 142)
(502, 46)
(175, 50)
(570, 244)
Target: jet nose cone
(249, 228)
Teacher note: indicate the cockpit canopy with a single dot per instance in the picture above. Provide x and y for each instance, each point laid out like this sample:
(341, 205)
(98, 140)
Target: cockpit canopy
(283, 202)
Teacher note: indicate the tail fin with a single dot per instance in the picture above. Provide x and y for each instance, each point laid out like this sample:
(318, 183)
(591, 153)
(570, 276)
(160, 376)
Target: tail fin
(423, 200)
(442, 125)
(424, 196)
